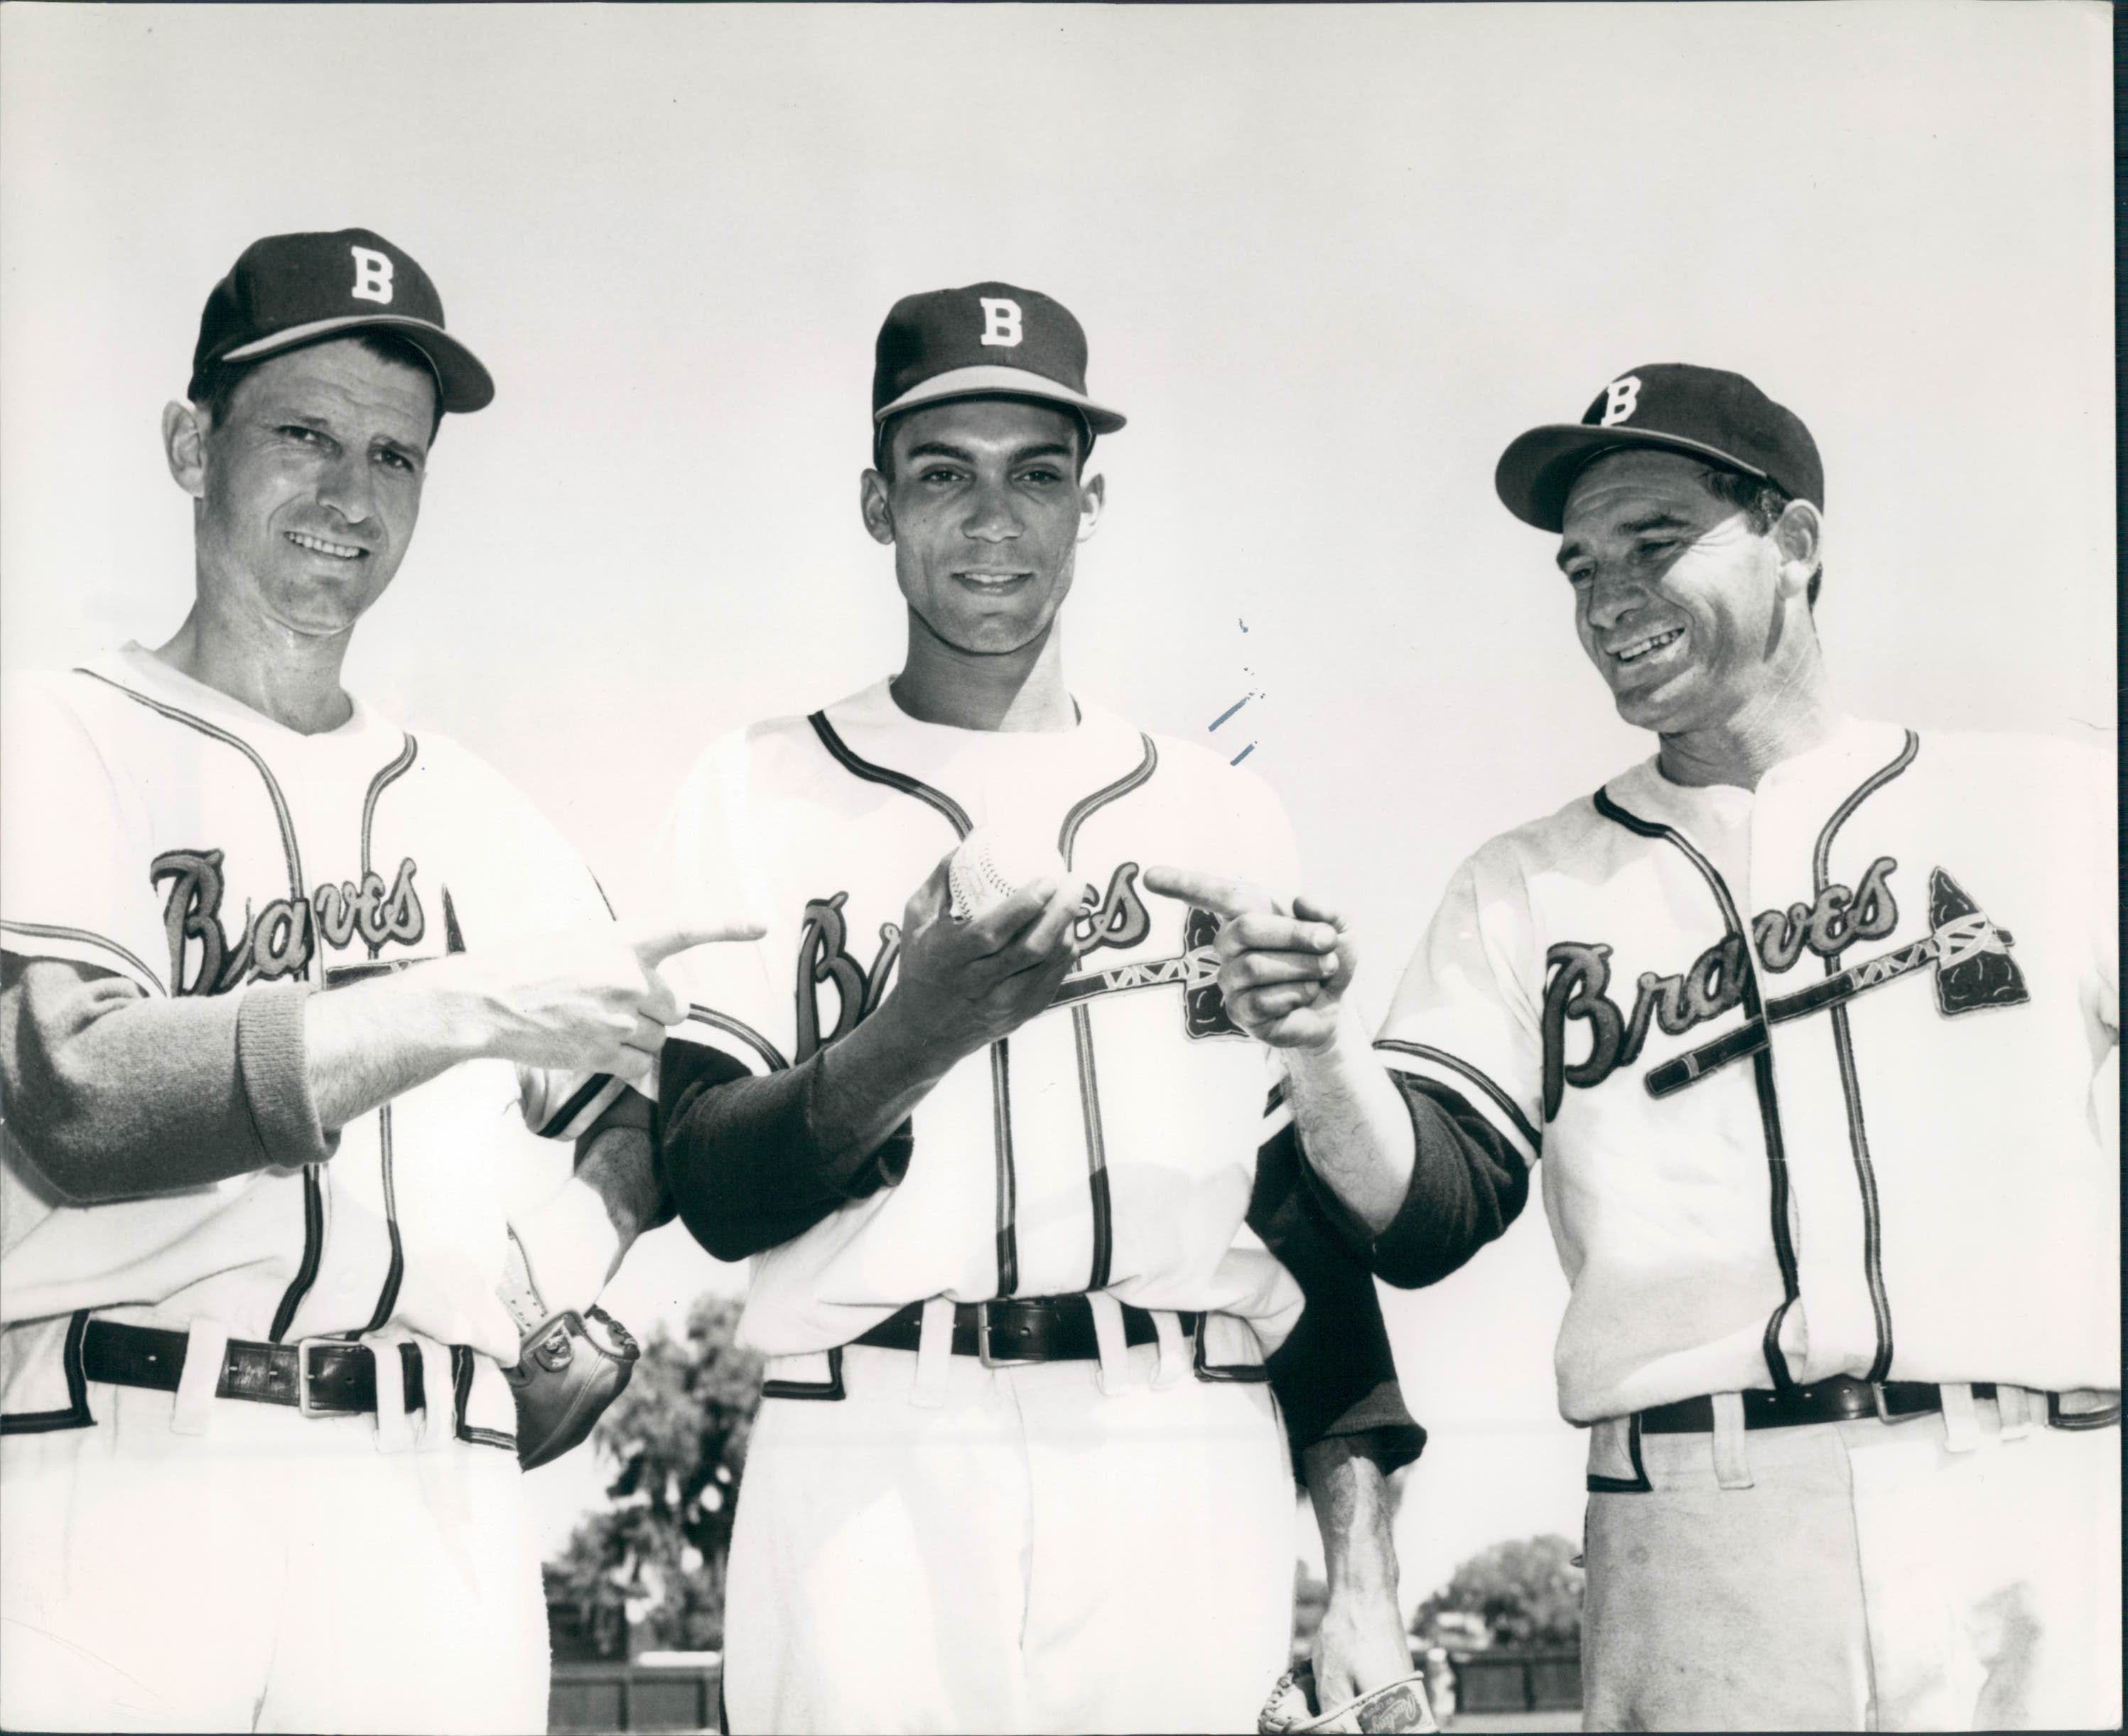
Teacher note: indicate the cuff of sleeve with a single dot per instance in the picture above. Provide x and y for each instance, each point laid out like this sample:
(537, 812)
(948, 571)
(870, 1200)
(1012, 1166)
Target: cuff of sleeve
(275, 1075)
(1379, 1426)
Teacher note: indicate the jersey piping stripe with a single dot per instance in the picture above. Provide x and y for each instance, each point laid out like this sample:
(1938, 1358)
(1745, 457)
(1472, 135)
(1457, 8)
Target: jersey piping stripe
(1097, 1151)
(956, 815)
(76, 1413)
(1850, 1085)
(50, 931)
(1008, 1241)
(579, 1101)
(258, 765)
(746, 1034)
(1098, 1191)
(395, 1267)
(1440, 1057)
(1069, 834)
(1762, 1073)
(313, 1204)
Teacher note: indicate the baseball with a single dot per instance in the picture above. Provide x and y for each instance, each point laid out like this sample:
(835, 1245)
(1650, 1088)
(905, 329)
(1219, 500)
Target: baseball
(991, 866)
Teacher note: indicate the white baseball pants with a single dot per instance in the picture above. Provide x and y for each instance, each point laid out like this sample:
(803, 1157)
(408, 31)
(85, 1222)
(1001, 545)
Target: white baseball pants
(1939, 1573)
(279, 1572)
(1010, 1549)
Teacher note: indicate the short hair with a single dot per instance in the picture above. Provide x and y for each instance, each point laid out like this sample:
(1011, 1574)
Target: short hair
(217, 390)
(1762, 503)
(882, 440)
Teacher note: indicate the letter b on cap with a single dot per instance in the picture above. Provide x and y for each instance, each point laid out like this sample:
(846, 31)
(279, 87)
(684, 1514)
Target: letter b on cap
(1622, 397)
(372, 275)
(1001, 322)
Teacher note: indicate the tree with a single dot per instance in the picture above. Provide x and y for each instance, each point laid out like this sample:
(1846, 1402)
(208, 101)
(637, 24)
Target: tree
(652, 1566)
(1527, 1592)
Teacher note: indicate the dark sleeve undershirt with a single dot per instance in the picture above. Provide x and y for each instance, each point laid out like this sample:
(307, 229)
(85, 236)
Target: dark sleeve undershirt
(1334, 1375)
(740, 1159)
(1468, 1183)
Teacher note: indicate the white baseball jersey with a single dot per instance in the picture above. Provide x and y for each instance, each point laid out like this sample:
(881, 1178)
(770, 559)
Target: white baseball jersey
(1108, 1144)
(1821, 1072)
(157, 830)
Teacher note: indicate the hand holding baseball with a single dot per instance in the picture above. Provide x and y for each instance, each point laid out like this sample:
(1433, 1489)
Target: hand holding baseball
(591, 998)
(966, 981)
(1283, 972)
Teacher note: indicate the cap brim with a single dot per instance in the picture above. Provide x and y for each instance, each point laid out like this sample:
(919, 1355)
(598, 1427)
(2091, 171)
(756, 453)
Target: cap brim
(996, 382)
(464, 384)
(1536, 472)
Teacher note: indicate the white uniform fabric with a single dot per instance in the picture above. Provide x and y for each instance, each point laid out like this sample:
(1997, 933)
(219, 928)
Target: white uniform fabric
(1922, 1576)
(1825, 1079)
(1035, 1548)
(1916, 1183)
(157, 830)
(1109, 1143)
(1020, 1550)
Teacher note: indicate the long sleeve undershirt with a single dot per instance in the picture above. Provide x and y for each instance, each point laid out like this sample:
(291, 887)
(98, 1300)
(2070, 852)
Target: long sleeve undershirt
(115, 1095)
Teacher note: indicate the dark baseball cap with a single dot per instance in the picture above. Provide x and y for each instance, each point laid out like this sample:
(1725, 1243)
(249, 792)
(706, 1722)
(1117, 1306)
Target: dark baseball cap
(1668, 406)
(288, 291)
(986, 340)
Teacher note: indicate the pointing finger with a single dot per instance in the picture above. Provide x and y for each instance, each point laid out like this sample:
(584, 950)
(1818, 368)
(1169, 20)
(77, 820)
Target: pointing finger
(1228, 897)
(659, 942)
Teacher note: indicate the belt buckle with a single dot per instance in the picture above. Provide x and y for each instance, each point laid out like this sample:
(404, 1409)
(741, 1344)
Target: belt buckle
(304, 1405)
(983, 1343)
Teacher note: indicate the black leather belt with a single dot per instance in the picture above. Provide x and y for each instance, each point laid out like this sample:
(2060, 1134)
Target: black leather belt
(1843, 1399)
(318, 1377)
(1042, 1329)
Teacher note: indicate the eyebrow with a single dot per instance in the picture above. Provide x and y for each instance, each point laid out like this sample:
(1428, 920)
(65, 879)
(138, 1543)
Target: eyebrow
(939, 448)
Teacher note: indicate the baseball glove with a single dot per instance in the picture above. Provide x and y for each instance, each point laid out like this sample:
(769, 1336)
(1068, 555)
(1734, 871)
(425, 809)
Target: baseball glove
(570, 1368)
(1399, 1706)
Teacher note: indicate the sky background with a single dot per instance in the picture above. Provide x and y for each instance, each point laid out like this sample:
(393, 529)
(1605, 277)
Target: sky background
(1330, 262)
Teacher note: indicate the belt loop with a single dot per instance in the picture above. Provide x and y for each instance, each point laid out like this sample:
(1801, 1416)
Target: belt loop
(2014, 1407)
(934, 1353)
(1174, 1367)
(440, 1403)
(1961, 1421)
(1733, 1459)
(395, 1431)
(207, 1349)
(1109, 1340)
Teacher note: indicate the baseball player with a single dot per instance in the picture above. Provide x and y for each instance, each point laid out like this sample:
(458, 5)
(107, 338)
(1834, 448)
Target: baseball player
(277, 973)
(1815, 1023)
(1020, 1274)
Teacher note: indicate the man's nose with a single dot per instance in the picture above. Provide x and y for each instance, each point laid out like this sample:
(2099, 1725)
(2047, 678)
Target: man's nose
(1614, 596)
(348, 487)
(992, 519)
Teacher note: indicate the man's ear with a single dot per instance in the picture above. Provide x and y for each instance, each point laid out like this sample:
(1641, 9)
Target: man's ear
(872, 503)
(1093, 495)
(1800, 536)
(184, 445)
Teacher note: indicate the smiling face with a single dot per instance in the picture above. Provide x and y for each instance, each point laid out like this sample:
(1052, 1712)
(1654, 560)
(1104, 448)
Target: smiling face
(984, 509)
(309, 485)
(1680, 604)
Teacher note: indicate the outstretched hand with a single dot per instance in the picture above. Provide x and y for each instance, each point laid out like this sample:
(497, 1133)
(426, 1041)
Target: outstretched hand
(1283, 970)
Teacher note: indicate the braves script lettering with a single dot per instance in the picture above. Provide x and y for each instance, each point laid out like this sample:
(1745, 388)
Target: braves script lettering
(281, 939)
(1578, 977)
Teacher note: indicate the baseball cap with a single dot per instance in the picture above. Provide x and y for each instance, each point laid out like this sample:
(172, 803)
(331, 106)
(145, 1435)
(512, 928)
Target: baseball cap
(1669, 406)
(287, 290)
(986, 340)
